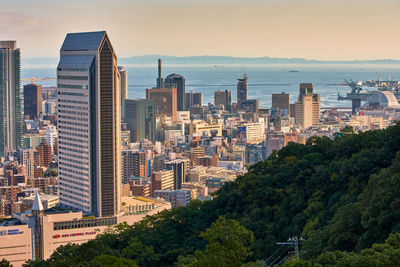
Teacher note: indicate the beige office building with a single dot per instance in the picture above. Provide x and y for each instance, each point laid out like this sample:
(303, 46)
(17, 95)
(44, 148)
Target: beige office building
(162, 180)
(307, 108)
(205, 129)
(15, 244)
(36, 235)
(223, 98)
(254, 133)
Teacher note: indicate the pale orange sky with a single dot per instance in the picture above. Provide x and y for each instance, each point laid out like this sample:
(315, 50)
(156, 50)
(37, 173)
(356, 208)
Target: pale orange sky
(312, 29)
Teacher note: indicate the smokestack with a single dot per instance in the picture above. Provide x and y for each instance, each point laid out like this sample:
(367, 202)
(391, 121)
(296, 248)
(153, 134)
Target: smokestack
(159, 67)
(160, 81)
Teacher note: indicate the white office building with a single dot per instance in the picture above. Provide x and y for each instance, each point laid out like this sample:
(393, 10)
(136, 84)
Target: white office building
(51, 136)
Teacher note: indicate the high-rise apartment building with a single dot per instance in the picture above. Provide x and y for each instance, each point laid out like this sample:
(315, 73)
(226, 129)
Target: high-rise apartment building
(124, 88)
(192, 99)
(223, 98)
(195, 154)
(134, 164)
(26, 158)
(140, 117)
(281, 101)
(164, 100)
(11, 112)
(242, 89)
(177, 81)
(181, 169)
(89, 124)
(32, 100)
(45, 155)
(307, 108)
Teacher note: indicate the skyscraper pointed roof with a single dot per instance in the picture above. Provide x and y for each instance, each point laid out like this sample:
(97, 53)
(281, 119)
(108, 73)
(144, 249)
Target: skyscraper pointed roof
(83, 41)
(37, 203)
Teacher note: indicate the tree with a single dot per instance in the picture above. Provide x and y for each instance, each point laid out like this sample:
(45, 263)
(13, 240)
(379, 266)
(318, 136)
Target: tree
(144, 255)
(228, 244)
(108, 260)
(5, 263)
(384, 255)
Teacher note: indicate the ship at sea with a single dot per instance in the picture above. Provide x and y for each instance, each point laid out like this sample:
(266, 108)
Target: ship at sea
(358, 90)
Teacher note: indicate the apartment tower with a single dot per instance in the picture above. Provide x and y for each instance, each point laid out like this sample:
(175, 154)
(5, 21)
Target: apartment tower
(192, 99)
(11, 112)
(89, 124)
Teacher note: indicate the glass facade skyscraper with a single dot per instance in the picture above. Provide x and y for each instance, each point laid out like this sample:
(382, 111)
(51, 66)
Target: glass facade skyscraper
(11, 112)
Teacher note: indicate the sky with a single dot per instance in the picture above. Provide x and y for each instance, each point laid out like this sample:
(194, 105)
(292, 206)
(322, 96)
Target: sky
(312, 29)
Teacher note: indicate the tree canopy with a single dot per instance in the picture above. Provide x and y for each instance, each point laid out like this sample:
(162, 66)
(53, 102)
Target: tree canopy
(339, 195)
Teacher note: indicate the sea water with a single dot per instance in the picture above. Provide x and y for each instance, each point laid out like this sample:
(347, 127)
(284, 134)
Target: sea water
(263, 80)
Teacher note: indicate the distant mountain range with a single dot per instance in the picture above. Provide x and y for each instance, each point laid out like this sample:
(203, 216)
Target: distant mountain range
(152, 59)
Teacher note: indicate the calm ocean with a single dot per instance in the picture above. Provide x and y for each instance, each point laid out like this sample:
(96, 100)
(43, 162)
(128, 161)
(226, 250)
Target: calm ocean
(263, 80)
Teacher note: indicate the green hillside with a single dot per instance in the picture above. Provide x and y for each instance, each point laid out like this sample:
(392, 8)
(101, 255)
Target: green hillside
(339, 195)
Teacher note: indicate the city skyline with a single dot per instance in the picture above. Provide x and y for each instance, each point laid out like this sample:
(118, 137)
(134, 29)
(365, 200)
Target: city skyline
(333, 30)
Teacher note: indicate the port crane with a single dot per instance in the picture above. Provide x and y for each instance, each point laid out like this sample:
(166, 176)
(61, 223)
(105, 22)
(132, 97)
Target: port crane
(355, 87)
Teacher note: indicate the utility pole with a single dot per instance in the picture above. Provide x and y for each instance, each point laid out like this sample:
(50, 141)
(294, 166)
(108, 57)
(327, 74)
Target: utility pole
(294, 242)
(296, 247)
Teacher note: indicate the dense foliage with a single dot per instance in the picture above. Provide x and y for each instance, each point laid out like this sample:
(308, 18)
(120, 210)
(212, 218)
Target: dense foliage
(339, 195)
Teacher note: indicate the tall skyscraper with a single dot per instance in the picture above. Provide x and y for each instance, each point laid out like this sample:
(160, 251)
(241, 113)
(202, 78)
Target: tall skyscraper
(32, 100)
(124, 88)
(11, 112)
(177, 81)
(281, 101)
(223, 98)
(242, 89)
(307, 108)
(89, 124)
(140, 117)
(192, 99)
(164, 100)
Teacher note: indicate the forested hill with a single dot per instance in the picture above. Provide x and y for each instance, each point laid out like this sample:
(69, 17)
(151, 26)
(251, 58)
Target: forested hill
(341, 194)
